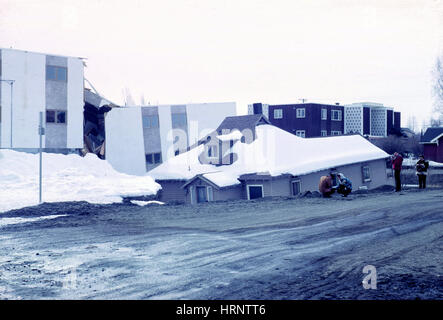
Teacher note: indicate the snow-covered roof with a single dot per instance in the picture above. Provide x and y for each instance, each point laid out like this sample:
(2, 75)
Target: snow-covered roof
(241, 123)
(274, 151)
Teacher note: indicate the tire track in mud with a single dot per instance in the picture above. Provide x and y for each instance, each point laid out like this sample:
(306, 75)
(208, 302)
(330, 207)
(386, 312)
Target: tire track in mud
(280, 249)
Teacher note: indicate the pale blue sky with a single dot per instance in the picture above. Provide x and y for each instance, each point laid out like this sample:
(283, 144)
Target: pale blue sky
(245, 50)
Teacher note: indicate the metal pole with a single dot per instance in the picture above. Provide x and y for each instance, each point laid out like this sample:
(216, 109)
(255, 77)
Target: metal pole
(12, 85)
(41, 132)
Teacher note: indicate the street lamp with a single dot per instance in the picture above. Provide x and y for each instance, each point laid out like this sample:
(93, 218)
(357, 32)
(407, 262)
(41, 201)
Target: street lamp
(11, 83)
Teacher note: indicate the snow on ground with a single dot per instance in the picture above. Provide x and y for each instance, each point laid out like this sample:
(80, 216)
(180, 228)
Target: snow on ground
(413, 162)
(145, 203)
(65, 178)
(9, 221)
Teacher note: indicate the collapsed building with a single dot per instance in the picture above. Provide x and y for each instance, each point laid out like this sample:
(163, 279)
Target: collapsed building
(248, 158)
(95, 110)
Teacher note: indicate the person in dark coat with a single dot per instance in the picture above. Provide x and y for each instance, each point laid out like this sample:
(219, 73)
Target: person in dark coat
(344, 185)
(397, 161)
(326, 186)
(421, 169)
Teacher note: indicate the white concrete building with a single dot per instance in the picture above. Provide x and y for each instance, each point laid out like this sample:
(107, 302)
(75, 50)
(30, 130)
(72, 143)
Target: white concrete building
(140, 138)
(370, 118)
(40, 83)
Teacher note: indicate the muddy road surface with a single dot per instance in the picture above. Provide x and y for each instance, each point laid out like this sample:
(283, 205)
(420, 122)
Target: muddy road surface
(309, 248)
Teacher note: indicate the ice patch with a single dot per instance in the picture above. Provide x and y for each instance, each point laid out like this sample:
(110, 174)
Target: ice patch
(144, 203)
(9, 221)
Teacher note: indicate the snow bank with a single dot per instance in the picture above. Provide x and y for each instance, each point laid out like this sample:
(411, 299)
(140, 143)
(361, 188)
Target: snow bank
(65, 178)
(413, 162)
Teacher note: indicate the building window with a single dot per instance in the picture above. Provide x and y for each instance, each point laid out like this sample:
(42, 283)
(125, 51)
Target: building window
(56, 73)
(61, 116)
(150, 121)
(335, 133)
(300, 133)
(50, 116)
(301, 112)
(336, 115)
(154, 158)
(278, 113)
(324, 133)
(366, 173)
(255, 191)
(55, 116)
(212, 151)
(296, 187)
(324, 114)
(178, 120)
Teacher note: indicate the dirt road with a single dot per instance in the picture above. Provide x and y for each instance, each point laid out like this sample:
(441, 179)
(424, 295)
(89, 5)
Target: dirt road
(310, 248)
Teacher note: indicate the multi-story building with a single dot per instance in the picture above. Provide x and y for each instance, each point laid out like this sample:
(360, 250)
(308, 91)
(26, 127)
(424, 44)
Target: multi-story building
(140, 138)
(372, 119)
(304, 120)
(36, 82)
(316, 120)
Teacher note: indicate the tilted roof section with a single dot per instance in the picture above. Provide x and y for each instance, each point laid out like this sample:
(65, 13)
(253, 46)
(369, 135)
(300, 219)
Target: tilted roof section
(96, 100)
(242, 122)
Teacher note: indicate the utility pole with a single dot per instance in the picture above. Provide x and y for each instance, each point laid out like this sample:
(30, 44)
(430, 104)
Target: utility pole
(41, 132)
(303, 100)
(11, 83)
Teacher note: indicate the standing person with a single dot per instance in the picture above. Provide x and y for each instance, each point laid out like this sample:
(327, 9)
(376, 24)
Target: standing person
(325, 186)
(422, 171)
(344, 185)
(397, 161)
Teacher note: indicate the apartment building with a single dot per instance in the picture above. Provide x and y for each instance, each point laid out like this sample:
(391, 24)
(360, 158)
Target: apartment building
(140, 138)
(305, 120)
(310, 120)
(372, 119)
(36, 82)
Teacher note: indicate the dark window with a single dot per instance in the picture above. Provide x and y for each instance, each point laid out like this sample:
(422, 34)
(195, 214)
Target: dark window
(324, 114)
(56, 73)
(62, 74)
(55, 116)
(295, 188)
(301, 112)
(255, 192)
(278, 113)
(51, 73)
(201, 194)
(61, 116)
(336, 115)
(366, 174)
(157, 157)
(212, 151)
(150, 121)
(153, 158)
(50, 116)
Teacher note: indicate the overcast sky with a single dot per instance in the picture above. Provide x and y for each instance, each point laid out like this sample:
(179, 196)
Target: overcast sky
(245, 51)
